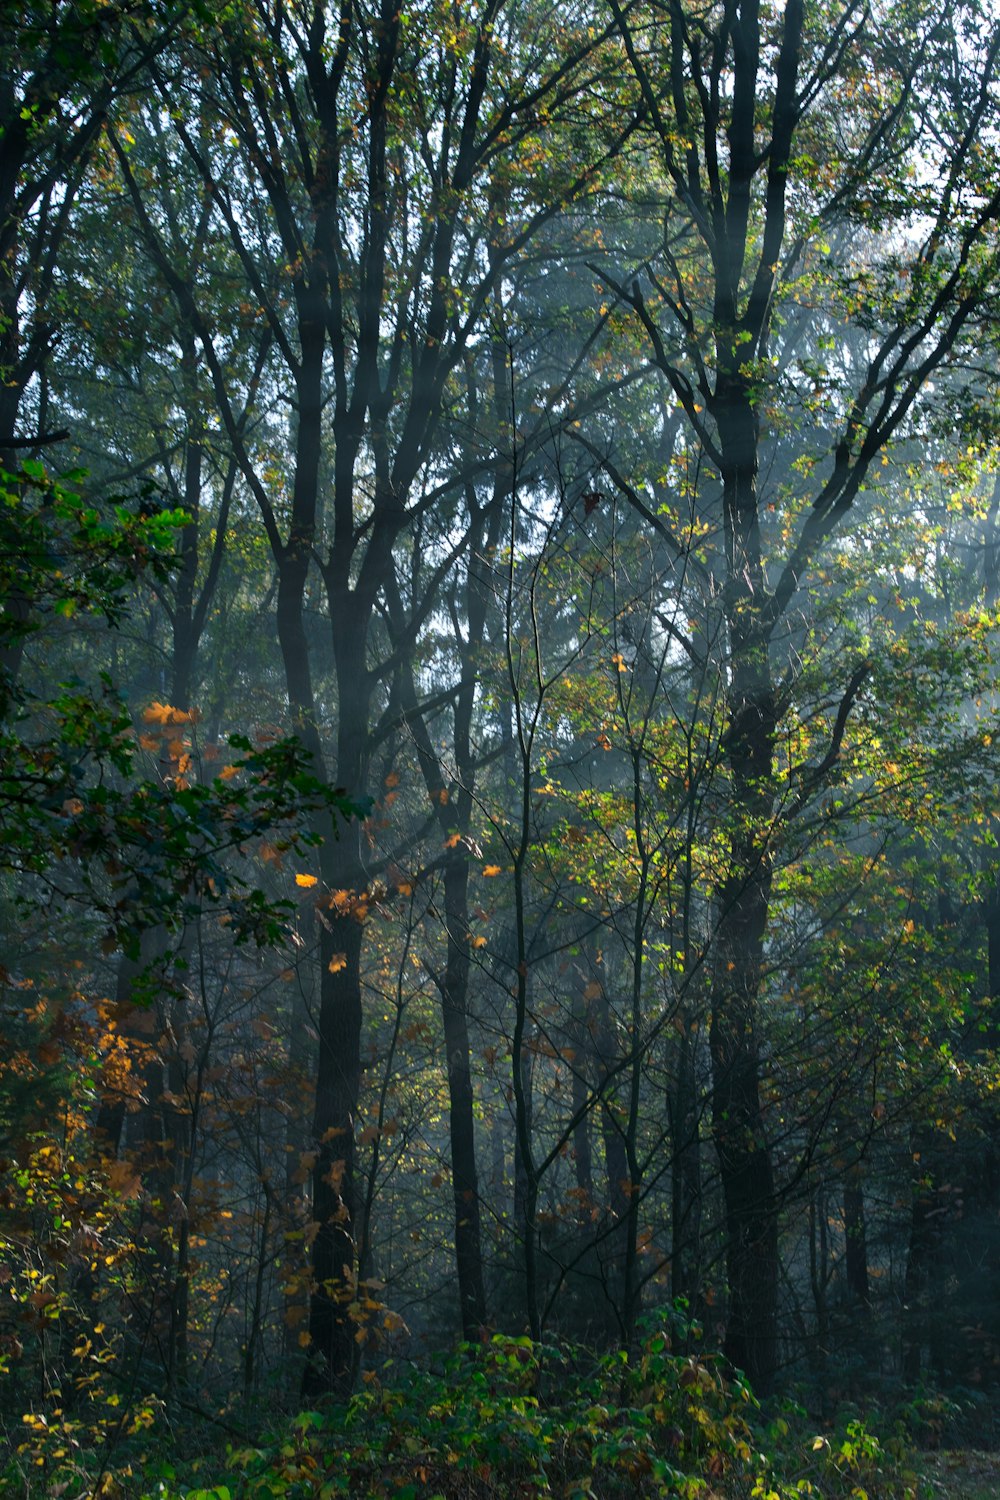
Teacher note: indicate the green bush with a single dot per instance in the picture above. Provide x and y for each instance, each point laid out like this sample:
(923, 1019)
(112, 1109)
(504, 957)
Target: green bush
(509, 1420)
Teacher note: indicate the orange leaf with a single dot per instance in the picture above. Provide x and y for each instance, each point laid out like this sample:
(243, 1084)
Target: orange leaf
(337, 962)
(228, 772)
(306, 881)
(490, 870)
(456, 838)
(392, 779)
(157, 713)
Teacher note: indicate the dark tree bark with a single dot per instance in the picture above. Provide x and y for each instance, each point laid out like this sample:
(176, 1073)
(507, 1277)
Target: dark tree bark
(685, 1173)
(856, 1240)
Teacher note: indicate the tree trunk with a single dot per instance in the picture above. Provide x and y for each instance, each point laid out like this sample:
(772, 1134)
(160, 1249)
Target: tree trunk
(583, 1046)
(743, 903)
(618, 1178)
(461, 1123)
(685, 1174)
(856, 1243)
(335, 1200)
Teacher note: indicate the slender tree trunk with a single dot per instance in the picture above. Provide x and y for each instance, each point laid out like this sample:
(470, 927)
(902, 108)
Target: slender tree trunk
(819, 1274)
(856, 1240)
(461, 1123)
(583, 1045)
(918, 1264)
(618, 1178)
(685, 1175)
(525, 1185)
(297, 1206)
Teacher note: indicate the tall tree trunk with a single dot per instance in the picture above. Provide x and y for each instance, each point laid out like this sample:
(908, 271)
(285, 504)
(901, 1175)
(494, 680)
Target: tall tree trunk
(525, 1183)
(919, 1261)
(297, 1206)
(582, 1041)
(685, 1174)
(461, 1123)
(336, 1195)
(618, 1178)
(819, 1275)
(856, 1240)
(743, 903)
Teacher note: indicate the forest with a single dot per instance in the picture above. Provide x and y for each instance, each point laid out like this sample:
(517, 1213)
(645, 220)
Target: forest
(499, 776)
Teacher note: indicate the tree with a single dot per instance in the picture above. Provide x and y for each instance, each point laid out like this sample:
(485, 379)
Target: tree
(772, 140)
(373, 258)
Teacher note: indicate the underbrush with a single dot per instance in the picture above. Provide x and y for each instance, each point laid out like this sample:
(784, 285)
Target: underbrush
(505, 1420)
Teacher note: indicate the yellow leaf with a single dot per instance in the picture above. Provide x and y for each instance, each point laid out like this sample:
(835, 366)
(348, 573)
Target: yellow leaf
(620, 662)
(165, 713)
(157, 713)
(479, 942)
(337, 962)
(490, 870)
(306, 881)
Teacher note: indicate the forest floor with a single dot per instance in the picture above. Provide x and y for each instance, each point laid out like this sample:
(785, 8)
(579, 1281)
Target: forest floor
(963, 1474)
